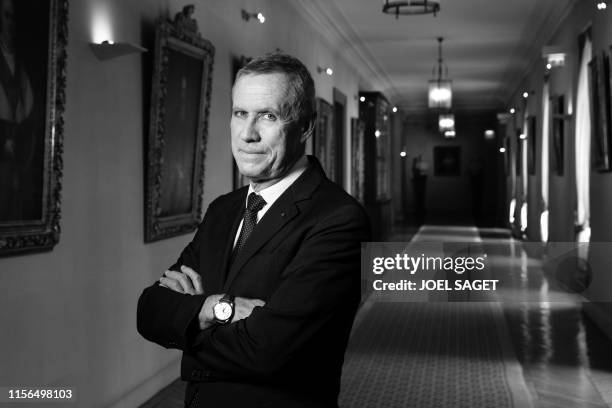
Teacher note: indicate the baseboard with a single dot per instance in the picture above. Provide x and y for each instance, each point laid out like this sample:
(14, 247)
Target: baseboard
(599, 313)
(151, 386)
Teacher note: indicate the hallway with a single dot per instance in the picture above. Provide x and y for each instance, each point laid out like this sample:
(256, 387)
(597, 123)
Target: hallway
(540, 353)
(544, 353)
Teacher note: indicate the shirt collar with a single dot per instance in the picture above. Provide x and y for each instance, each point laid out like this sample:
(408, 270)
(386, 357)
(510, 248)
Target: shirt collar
(272, 193)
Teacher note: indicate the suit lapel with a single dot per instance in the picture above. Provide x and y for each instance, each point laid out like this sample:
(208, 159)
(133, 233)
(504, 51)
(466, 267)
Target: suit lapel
(282, 211)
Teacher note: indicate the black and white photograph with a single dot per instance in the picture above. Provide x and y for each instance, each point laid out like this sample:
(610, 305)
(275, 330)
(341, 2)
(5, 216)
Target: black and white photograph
(305, 204)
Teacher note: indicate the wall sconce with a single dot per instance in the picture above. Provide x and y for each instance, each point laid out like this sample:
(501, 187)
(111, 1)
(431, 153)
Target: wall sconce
(449, 134)
(489, 134)
(602, 5)
(502, 150)
(246, 16)
(327, 70)
(362, 99)
(403, 153)
(109, 49)
(394, 110)
(512, 111)
(555, 56)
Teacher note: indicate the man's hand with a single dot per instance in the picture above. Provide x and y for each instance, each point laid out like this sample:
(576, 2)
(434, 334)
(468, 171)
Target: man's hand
(187, 281)
(243, 308)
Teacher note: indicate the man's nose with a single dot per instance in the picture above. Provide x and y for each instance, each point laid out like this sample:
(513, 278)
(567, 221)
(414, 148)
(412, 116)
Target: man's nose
(250, 132)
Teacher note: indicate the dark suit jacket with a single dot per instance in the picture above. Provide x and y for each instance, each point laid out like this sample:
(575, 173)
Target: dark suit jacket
(303, 260)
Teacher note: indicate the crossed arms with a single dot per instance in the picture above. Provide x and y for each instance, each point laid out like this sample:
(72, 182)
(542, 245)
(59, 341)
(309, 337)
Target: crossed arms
(316, 299)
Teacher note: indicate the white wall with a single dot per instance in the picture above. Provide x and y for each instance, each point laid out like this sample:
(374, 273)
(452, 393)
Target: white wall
(69, 315)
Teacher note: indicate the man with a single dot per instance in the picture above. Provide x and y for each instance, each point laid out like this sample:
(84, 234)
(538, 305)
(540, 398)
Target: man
(262, 300)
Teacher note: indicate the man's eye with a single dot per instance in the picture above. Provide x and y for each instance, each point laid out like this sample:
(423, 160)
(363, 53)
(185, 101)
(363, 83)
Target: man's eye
(269, 116)
(239, 114)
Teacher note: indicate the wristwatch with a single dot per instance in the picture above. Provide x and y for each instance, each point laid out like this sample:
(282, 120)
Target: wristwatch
(223, 310)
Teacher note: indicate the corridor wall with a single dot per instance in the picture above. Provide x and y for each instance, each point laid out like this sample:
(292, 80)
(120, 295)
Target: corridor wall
(562, 189)
(69, 315)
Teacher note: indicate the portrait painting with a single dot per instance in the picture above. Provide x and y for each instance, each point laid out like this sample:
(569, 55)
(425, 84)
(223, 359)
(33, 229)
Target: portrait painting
(357, 159)
(447, 161)
(176, 144)
(531, 145)
(33, 39)
(599, 86)
(557, 104)
(324, 141)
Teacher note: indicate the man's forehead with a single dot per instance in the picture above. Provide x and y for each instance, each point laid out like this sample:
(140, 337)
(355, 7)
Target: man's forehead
(272, 84)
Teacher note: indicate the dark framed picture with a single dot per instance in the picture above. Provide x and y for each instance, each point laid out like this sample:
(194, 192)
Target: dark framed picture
(358, 159)
(447, 161)
(531, 145)
(180, 100)
(507, 156)
(32, 102)
(599, 86)
(324, 142)
(557, 106)
(519, 153)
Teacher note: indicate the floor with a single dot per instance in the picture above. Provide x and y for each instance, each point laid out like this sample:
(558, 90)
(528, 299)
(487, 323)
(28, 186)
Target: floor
(565, 360)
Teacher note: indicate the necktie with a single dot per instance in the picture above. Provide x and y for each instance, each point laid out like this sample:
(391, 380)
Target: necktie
(254, 204)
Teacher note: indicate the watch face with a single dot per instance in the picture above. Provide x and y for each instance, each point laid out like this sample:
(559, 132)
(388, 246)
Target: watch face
(223, 311)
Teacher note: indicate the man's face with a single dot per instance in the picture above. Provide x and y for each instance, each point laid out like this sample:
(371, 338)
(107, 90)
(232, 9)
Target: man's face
(265, 143)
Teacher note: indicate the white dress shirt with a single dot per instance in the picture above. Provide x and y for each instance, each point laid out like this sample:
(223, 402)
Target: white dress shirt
(272, 193)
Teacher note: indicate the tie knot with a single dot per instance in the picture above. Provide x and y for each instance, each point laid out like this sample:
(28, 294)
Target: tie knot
(255, 202)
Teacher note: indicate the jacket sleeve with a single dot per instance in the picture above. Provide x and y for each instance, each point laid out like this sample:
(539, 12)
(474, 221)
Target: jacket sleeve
(318, 281)
(164, 316)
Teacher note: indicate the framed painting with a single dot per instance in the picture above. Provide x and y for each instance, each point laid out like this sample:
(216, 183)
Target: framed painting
(324, 145)
(507, 156)
(557, 106)
(32, 102)
(176, 145)
(518, 168)
(447, 161)
(599, 70)
(357, 159)
(531, 145)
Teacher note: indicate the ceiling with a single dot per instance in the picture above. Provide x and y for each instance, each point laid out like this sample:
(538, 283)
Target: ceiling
(489, 45)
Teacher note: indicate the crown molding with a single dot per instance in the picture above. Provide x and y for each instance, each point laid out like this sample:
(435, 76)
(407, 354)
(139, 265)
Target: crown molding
(536, 40)
(338, 32)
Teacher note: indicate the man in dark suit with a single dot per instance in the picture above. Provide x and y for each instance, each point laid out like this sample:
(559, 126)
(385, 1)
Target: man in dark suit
(263, 299)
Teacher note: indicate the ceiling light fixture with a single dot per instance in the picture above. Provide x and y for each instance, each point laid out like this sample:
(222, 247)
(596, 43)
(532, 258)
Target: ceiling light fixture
(502, 150)
(446, 122)
(410, 8)
(602, 5)
(394, 109)
(450, 134)
(440, 88)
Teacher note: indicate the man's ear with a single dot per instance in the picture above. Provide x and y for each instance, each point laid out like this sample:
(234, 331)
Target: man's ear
(308, 127)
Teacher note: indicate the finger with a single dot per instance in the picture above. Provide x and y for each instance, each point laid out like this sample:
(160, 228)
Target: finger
(183, 280)
(171, 284)
(195, 277)
(258, 302)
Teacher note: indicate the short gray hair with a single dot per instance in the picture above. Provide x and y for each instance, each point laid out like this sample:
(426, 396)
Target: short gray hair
(301, 85)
